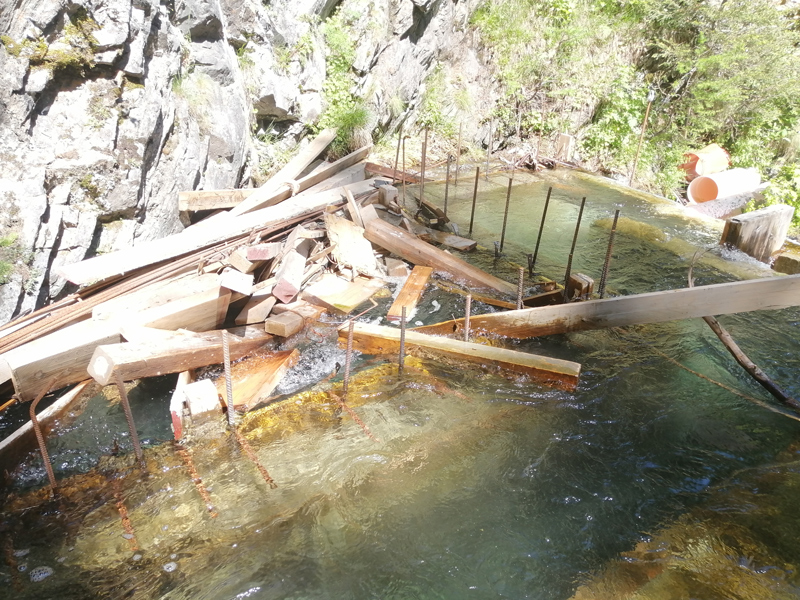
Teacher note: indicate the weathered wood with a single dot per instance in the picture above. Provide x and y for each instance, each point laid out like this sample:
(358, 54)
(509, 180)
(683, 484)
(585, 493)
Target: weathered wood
(256, 310)
(760, 233)
(290, 171)
(239, 261)
(123, 261)
(15, 446)
(580, 286)
(63, 354)
(351, 249)
(181, 352)
(396, 267)
(410, 294)
(289, 277)
(201, 312)
(440, 237)
(374, 339)
(284, 324)
(266, 197)
(340, 295)
(553, 295)
(687, 303)
(263, 251)
(310, 312)
(256, 378)
(353, 209)
(349, 175)
(386, 172)
(212, 199)
(416, 251)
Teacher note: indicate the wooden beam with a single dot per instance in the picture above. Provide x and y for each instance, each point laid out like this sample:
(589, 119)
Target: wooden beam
(760, 233)
(141, 255)
(269, 196)
(289, 276)
(257, 309)
(349, 175)
(340, 295)
(63, 354)
(440, 237)
(212, 199)
(410, 294)
(284, 324)
(414, 250)
(256, 378)
(687, 303)
(374, 339)
(182, 352)
(387, 172)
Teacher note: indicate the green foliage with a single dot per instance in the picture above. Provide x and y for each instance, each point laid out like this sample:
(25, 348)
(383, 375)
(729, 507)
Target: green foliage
(433, 107)
(784, 188)
(9, 254)
(243, 57)
(343, 110)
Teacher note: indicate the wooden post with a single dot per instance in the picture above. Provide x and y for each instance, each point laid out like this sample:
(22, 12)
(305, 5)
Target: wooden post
(760, 233)
(474, 199)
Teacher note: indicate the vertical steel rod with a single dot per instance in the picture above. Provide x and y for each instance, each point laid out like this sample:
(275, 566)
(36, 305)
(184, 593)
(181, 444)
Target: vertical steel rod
(40, 438)
(126, 406)
(447, 185)
(404, 172)
(572, 251)
(641, 139)
(348, 358)
(602, 288)
(424, 158)
(397, 155)
(520, 282)
(505, 214)
(458, 152)
(467, 313)
(488, 150)
(532, 262)
(226, 356)
(402, 342)
(474, 199)
(530, 265)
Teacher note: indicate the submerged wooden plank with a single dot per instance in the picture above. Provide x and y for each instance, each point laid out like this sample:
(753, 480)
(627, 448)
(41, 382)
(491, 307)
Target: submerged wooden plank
(181, 352)
(410, 294)
(687, 303)
(375, 339)
(256, 378)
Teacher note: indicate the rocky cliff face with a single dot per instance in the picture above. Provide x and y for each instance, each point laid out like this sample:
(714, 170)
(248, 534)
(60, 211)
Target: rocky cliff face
(109, 108)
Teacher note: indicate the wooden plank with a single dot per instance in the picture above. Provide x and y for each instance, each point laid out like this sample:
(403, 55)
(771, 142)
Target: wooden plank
(440, 237)
(396, 267)
(414, 250)
(280, 181)
(133, 360)
(141, 255)
(236, 281)
(15, 446)
(349, 175)
(310, 312)
(350, 248)
(547, 298)
(289, 277)
(256, 310)
(340, 295)
(760, 233)
(388, 172)
(375, 339)
(212, 199)
(263, 251)
(269, 196)
(353, 209)
(200, 312)
(410, 294)
(239, 261)
(63, 354)
(687, 303)
(256, 378)
(284, 324)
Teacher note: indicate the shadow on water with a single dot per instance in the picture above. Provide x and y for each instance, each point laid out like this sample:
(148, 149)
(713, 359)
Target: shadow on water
(478, 486)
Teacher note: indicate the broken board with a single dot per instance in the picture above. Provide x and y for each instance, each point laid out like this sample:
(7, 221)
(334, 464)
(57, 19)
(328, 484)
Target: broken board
(253, 380)
(410, 294)
(339, 294)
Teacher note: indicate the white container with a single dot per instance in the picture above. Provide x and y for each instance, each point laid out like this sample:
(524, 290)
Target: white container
(724, 184)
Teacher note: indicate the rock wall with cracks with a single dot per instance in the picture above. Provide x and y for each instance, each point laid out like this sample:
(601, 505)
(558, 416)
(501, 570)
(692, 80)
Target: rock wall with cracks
(109, 108)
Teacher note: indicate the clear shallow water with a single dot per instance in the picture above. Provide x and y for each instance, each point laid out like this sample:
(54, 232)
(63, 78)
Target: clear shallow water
(479, 486)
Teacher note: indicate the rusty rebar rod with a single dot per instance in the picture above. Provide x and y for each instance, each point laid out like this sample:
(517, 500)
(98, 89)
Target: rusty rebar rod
(572, 251)
(532, 261)
(397, 154)
(474, 199)
(447, 185)
(607, 262)
(405, 182)
(226, 357)
(348, 358)
(126, 407)
(248, 451)
(505, 214)
(467, 314)
(488, 151)
(186, 457)
(402, 342)
(48, 466)
(422, 173)
(520, 282)
(458, 152)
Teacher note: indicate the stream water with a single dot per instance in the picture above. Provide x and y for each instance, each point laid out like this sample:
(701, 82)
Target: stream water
(469, 484)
